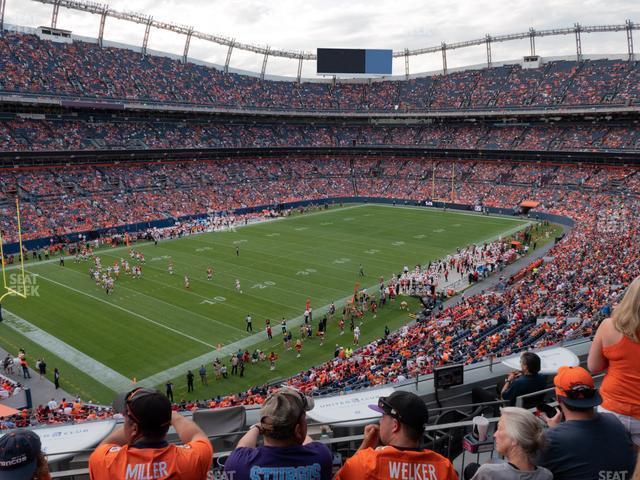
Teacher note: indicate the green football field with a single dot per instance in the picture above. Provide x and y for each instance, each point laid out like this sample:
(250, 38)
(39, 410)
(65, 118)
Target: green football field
(153, 329)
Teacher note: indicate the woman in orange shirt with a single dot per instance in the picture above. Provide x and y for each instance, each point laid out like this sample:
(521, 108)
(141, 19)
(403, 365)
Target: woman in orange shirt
(616, 349)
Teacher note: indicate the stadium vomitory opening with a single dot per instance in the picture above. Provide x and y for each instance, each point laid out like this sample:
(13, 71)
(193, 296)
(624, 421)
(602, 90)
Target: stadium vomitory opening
(380, 251)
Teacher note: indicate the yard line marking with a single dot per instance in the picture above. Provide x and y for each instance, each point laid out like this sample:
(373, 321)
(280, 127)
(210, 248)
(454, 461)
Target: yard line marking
(252, 224)
(97, 370)
(130, 312)
(138, 293)
(226, 288)
(173, 372)
(226, 350)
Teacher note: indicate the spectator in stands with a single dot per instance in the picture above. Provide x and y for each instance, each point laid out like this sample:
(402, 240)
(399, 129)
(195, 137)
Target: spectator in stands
(616, 349)
(21, 457)
(404, 416)
(520, 382)
(139, 448)
(287, 447)
(587, 443)
(519, 438)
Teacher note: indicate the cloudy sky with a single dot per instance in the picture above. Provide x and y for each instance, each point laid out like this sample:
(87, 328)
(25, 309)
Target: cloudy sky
(309, 24)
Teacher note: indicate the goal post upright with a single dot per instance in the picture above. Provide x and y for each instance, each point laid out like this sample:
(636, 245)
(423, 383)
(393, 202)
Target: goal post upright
(9, 290)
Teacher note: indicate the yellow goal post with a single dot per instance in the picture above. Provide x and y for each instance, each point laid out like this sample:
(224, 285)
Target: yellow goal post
(18, 286)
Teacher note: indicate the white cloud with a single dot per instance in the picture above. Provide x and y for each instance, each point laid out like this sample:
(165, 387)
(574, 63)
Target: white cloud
(295, 25)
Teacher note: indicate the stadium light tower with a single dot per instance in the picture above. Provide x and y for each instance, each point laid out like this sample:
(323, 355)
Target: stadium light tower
(264, 63)
(488, 37)
(229, 50)
(444, 58)
(532, 42)
(629, 25)
(187, 43)
(578, 43)
(2, 4)
(103, 19)
(406, 62)
(145, 40)
(300, 60)
(54, 13)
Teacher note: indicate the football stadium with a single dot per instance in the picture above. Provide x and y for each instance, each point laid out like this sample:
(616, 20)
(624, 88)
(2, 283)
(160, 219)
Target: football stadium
(375, 263)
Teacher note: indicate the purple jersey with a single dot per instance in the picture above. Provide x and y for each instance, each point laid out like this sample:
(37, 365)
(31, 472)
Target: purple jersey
(300, 462)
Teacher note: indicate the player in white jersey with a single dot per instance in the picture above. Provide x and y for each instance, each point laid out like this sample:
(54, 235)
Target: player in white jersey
(170, 268)
(186, 282)
(109, 287)
(238, 288)
(209, 273)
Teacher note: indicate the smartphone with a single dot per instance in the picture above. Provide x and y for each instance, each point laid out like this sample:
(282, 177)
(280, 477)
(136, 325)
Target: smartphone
(548, 410)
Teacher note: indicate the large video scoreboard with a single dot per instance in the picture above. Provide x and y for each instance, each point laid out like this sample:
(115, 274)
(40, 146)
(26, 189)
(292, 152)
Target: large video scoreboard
(336, 61)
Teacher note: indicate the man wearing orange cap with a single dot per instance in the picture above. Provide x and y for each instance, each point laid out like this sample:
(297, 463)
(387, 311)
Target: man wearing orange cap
(587, 444)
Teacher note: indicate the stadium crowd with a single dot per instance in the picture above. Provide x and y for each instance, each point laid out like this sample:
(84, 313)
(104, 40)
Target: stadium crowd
(20, 133)
(569, 294)
(63, 201)
(546, 303)
(82, 69)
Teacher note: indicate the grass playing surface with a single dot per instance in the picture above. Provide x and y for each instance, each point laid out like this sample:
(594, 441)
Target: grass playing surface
(150, 325)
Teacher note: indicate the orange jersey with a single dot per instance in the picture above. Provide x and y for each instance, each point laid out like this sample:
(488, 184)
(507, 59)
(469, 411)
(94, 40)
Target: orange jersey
(190, 461)
(392, 463)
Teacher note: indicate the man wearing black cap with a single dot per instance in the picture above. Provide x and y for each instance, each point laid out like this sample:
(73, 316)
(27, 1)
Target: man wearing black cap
(587, 444)
(404, 416)
(139, 449)
(21, 457)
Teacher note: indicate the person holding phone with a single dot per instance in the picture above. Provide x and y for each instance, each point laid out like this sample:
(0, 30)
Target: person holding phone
(582, 443)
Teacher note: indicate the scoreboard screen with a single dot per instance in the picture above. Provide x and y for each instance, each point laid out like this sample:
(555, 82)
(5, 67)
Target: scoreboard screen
(332, 61)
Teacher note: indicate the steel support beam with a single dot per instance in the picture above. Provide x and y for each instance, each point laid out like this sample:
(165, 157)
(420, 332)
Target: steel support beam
(103, 19)
(187, 42)
(578, 43)
(264, 63)
(229, 50)
(488, 37)
(629, 25)
(444, 58)
(300, 60)
(145, 40)
(532, 42)
(2, 5)
(54, 14)
(89, 6)
(406, 62)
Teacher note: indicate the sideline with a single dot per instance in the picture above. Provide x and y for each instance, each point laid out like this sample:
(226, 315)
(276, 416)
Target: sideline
(99, 371)
(104, 250)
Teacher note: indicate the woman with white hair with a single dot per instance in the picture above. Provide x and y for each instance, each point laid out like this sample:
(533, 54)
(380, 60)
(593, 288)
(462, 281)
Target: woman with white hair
(519, 437)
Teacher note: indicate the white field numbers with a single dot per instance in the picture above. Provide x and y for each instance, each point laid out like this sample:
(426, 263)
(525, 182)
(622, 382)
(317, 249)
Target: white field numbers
(342, 260)
(306, 271)
(213, 301)
(265, 284)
